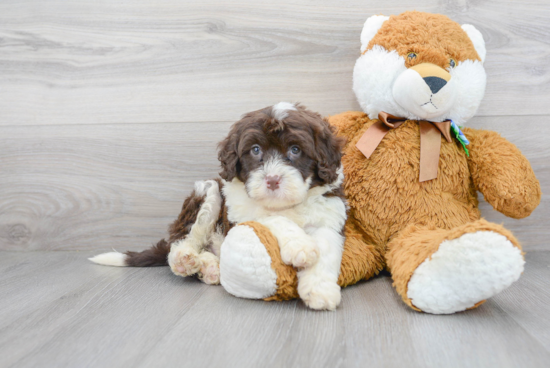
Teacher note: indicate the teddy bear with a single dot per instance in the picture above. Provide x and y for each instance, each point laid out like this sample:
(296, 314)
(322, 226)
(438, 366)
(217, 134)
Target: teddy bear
(412, 173)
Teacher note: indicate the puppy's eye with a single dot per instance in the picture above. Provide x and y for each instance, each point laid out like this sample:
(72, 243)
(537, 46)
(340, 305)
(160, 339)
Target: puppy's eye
(411, 56)
(452, 63)
(256, 150)
(295, 150)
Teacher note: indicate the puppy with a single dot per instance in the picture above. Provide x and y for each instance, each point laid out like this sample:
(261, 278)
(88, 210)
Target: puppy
(280, 167)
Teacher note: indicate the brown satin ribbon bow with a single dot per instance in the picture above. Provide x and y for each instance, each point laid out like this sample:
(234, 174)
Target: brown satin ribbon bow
(430, 141)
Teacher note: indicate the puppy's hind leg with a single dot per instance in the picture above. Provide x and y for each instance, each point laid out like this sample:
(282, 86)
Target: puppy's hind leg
(210, 258)
(209, 272)
(184, 253)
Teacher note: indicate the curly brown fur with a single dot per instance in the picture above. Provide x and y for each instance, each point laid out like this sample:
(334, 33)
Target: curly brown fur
(154, 256)
(187, 217)
(321, 148)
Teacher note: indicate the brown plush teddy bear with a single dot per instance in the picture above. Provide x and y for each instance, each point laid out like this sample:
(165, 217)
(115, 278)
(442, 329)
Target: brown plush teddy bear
(411, 177)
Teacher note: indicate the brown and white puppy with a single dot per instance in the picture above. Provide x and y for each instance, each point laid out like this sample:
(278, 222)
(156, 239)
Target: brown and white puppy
(280, 167)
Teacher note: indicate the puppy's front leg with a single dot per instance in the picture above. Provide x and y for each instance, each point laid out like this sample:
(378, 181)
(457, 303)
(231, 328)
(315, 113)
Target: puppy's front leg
(318, 285)
(297, 248)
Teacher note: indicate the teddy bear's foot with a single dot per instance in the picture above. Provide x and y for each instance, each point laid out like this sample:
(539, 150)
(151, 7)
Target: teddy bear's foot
(245, 265)
(465, 271)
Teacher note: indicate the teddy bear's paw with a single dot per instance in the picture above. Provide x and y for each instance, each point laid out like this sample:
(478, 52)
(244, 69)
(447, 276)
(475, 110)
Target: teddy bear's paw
(465, 271)
(300, 253)
(209, 272)
(319, 294)
(184, 260)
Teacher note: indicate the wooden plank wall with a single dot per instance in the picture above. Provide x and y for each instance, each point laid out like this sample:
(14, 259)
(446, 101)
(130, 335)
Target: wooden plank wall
(109, 111)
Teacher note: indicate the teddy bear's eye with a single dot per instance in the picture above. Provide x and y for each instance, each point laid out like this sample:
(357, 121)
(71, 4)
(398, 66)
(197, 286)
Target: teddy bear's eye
(452, 63)
(411, 56)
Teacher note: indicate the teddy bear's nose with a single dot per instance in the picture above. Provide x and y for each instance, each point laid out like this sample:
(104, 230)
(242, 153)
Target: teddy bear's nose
(434, 76)
(435, 83)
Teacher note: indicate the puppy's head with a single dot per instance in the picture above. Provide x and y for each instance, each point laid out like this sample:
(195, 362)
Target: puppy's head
(280, 153)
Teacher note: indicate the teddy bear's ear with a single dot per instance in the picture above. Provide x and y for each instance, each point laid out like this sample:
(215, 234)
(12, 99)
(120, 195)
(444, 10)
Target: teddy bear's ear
(372, 25)
(477, 40)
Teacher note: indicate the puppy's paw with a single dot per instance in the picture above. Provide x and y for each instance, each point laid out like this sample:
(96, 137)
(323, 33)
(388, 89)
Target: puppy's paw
(300, 253)
(321, 295)
(210, 269)
(184, 261)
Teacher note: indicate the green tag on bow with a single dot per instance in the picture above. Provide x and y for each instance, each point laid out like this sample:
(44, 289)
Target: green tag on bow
(460, 137)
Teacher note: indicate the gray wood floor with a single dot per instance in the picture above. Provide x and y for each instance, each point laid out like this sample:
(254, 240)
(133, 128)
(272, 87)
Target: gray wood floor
(59, 310)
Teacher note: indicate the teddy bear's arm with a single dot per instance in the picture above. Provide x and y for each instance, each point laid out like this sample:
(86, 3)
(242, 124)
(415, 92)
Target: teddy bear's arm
(501, 172)
(348, 123)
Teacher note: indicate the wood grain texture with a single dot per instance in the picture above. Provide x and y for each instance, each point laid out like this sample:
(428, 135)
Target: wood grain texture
(99, 186)
(145, 61)
(68, 314)
(120, 185)
(74, 313)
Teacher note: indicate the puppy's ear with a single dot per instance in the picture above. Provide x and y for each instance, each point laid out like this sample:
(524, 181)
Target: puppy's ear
(228, 155)
(329, 153)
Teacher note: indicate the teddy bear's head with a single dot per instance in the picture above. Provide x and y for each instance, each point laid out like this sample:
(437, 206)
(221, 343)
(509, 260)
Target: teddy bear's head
(420, 66)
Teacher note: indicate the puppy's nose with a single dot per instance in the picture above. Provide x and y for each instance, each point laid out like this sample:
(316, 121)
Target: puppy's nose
(435, 83)
(272, 181)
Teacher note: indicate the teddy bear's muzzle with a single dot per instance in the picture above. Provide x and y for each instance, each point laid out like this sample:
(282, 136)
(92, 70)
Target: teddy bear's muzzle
(425, 90)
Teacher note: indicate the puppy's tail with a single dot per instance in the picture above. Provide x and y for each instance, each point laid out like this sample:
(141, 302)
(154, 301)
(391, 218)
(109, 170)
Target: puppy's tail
(157, 255)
